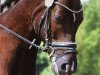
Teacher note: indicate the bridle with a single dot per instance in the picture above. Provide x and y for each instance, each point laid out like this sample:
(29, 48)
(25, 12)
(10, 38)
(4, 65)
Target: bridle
(69, 46)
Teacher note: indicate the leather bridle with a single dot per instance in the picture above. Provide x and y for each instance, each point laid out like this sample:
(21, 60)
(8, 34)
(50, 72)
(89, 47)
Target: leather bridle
(69, 46)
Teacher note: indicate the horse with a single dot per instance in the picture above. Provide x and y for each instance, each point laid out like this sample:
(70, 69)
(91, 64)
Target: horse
(8, 4)
(34, 20)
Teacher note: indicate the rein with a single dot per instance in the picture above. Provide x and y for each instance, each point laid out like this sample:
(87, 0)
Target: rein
(20, 37)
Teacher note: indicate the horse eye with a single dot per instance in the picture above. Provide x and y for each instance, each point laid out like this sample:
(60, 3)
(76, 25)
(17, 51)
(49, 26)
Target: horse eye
(58, 18)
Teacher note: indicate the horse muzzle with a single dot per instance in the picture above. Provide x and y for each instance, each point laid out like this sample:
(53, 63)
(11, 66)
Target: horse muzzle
(61, 65)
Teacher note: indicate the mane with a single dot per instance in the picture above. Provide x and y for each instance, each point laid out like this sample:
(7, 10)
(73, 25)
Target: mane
(8, 4)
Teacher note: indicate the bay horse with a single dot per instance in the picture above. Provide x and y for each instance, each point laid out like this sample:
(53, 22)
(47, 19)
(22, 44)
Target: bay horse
(55, 24)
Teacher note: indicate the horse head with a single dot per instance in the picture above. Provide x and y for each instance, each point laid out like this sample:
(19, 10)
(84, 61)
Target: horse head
(58, 28)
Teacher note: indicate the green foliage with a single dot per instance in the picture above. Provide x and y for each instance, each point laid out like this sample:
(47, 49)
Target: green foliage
(43, 63)
(88, 39)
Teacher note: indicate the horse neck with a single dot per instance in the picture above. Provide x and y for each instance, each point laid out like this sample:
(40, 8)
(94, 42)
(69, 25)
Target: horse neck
(30, 4)
(22, 14)
(17, 19)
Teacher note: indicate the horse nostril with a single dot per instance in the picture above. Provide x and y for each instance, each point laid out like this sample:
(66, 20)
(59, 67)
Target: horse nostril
(57, 18)
(65, 66)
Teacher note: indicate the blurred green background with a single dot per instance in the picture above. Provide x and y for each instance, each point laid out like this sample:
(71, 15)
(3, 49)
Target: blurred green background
(88, 39)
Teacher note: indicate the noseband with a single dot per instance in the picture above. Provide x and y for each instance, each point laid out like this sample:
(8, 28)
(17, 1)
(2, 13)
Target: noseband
(69, 46)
